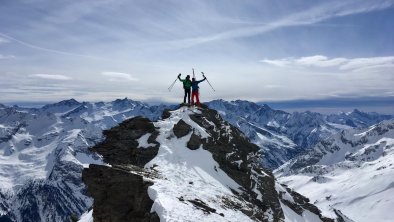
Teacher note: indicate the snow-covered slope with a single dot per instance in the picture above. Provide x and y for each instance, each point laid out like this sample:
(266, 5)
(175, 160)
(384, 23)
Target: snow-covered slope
(43, 152)
(352, 171)
(189, 166)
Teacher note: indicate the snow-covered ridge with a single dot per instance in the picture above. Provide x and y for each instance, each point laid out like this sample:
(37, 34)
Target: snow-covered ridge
(180, 165)
(200, 169)
(352, 171)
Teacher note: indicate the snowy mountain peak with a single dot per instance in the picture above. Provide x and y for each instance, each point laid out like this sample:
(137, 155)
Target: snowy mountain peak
(265, 106)
(190, 166)
(356, 111)
(61, 106)
(69, 103)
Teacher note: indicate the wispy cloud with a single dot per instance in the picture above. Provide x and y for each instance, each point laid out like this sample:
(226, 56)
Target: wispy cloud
(50, 76)
(313, 15)
(33, 46)
(7, 56)
(74, 11)
(359, 64)
(119, 76)
(344, 64)
(321, 61)
(3, 40)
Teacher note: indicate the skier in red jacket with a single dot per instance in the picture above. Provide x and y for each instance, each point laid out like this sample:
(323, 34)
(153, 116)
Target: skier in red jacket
(195, 92)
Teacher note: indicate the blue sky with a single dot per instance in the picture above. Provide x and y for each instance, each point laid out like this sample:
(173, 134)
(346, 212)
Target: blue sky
(257, 50)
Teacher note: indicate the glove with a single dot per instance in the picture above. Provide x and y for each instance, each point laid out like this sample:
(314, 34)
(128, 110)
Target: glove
(179, 75)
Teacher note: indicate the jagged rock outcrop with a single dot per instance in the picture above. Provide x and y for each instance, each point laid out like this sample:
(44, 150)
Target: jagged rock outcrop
(181, 129)
(191, 163)
(119, 195)
(120, 145)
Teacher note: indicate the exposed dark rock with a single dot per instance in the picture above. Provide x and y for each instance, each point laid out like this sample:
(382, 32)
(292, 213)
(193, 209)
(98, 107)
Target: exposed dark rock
(227, 144)
(110, 186)
(194, 142)
(341, 217)
(5, 218)
(222, 143)
(202, 206)
(302, 203)
(166, 114)
(118, 195)
(181, 129)
(5, 208)
(120, 145)
(202, 105)
(152, 139)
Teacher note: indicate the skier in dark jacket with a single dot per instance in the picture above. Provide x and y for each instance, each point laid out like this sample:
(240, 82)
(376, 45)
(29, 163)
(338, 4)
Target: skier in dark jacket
(195, 92)
(186, 86)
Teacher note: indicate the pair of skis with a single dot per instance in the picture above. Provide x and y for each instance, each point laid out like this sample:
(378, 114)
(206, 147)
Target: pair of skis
(203, 74)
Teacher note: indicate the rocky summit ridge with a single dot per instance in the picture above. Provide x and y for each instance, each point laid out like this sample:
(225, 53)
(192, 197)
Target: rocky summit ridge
(189, 166)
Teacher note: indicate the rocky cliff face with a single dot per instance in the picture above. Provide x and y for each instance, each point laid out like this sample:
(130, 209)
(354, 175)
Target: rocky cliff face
(190, 166)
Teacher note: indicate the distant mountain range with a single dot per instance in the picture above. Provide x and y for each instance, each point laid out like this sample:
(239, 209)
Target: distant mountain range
(284, 135)
(44, 150)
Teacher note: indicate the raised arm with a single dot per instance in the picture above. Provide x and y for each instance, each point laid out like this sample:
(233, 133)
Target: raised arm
(179, 77)
(202, 80)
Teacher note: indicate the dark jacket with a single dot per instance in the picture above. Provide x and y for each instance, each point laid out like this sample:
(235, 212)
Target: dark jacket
(187, 83)
(195, 85)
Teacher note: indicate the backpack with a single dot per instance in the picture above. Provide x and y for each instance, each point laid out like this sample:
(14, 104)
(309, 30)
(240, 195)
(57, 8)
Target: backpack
(187, 84)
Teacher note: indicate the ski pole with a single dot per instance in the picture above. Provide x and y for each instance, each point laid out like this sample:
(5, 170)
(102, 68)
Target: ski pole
(172, 85)
(170, 88)
(193, 73)
(208, 81)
